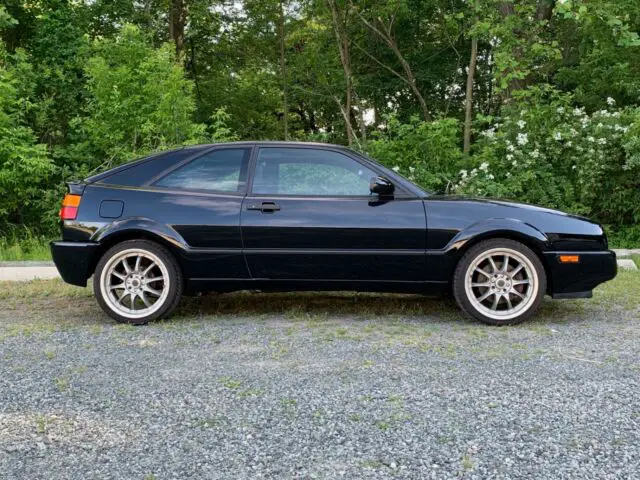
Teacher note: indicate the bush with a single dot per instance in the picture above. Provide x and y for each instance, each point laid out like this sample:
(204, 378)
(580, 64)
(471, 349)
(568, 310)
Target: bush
(548, 152)
(425, 152)
(24, 164)
(139, 101)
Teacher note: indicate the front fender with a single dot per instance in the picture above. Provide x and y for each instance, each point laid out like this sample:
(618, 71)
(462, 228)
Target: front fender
(494, 227)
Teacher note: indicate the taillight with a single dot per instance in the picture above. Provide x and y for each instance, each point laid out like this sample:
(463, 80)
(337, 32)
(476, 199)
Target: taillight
(70, 205)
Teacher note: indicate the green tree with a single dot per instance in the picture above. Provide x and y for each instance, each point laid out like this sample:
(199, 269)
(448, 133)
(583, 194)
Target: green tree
(139, 99)
(24, 164)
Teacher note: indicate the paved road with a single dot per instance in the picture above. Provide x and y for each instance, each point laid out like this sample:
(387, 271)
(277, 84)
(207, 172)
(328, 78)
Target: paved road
(319, 386)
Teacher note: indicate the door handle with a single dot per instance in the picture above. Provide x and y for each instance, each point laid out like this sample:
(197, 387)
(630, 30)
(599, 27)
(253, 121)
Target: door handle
(264, 207)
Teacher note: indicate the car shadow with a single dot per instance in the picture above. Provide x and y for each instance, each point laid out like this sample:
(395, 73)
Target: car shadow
(352, 305)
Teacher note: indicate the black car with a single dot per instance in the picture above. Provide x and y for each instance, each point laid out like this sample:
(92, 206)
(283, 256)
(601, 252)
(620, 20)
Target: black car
(299, 216)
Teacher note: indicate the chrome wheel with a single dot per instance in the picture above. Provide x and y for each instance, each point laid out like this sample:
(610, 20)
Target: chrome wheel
(501, 283)
(135, 283)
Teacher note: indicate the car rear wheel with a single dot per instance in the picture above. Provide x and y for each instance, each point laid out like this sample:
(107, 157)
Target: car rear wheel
(499, 282)
(137, 281)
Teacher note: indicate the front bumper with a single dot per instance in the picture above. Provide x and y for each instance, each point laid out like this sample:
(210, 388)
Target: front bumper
(576, 280)
(75, 260)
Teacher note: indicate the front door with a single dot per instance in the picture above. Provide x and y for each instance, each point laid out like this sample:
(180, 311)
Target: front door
(310, 216)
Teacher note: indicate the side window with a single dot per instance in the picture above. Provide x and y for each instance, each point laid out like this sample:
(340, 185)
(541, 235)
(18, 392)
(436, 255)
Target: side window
(305, 171)
(222, 170)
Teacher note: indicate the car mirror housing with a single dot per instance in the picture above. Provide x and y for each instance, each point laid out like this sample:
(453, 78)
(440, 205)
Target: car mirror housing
(381, 186)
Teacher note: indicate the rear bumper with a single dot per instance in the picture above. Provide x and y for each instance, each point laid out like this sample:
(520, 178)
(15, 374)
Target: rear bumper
(74, 260)
(576, 280)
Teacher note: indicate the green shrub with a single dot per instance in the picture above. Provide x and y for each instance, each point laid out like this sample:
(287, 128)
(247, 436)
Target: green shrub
(24, 163)
(140, 101)
(546, 151)
(425, 152)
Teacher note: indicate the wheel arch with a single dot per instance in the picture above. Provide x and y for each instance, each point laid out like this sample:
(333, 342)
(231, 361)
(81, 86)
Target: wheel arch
(165, 237)
(509, 229)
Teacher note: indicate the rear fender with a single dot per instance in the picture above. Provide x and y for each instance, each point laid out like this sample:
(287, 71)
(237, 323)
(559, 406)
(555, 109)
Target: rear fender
(150, 227)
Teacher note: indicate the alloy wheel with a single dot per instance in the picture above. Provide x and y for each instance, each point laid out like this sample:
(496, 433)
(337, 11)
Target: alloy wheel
(501, 283)
(135, 283)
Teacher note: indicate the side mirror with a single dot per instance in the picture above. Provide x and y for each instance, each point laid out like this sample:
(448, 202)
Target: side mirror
(381, 186)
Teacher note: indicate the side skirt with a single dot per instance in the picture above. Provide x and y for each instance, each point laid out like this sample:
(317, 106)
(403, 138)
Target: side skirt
(298, 285)
(563, 296)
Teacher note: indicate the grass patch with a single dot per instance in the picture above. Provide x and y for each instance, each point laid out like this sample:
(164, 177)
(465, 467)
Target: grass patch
(636, 258)
(622, 290)
(317, 307)
(35, 289)
(28, 249)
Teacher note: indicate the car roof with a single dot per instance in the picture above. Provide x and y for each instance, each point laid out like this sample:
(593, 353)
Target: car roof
(272, 143)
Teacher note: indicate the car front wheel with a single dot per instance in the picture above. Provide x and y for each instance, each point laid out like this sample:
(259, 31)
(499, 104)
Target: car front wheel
(499, 282)
(137, 281)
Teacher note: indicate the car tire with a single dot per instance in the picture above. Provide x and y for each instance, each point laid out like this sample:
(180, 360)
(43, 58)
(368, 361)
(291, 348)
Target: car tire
(137, 281)
(498, 294)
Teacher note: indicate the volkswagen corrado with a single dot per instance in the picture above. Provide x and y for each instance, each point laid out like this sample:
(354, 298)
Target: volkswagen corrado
(286, 216)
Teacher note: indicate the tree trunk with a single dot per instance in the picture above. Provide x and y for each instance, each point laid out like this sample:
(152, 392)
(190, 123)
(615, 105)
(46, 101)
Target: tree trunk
(468, 114)
(345, 58)
(468, 110)
(177, 21)
(385, 32)
(411, 79)
(363, 125)
(545, 9)
(283, 70)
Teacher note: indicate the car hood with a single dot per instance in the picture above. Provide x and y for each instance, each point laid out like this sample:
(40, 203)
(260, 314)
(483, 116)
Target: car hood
(505, 203)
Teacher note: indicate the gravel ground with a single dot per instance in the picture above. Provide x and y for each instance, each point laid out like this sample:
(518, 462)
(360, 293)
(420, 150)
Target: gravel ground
(319, 386)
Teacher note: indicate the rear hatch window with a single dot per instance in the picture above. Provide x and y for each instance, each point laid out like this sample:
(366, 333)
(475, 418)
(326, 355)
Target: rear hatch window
(139, 172)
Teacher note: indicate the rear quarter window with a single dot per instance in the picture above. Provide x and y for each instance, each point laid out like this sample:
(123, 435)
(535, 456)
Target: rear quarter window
(222, 170)
(143, 171)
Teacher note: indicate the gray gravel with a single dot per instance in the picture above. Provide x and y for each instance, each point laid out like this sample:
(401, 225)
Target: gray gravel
(306, 393)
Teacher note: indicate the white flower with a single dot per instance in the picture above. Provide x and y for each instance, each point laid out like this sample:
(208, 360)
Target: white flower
(602, 141)
(514, 163)
(535, 153)
(522, 124)
(610, 101)
(557, 136)
(560, 110)
(490, 176)
(396, 169)
(509, 157)
(591, 139)
(508, 174)
(484, 166)
(577, 112)
(412, 169)
(574, 167)
(463, 173)
(490, 133)
(522, 139)
(568, 144)
(510, 147)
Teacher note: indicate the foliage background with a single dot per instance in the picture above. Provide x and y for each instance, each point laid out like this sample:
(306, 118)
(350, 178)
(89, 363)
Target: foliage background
(553, 105)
